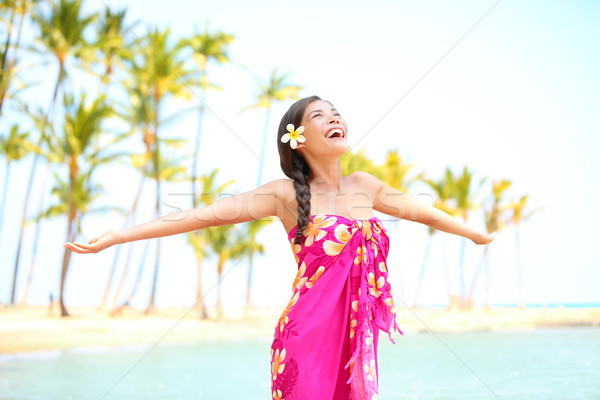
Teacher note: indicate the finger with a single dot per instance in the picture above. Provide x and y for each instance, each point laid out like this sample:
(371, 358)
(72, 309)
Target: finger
(74, 248)
(78, 248)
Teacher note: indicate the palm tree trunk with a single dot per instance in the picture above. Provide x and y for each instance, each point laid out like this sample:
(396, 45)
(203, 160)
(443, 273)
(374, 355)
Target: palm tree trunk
(480, 266)
(13, 60)
(199, 293)
(36, 234)
(130, 214)
(249, 284)
(447, 275)
(123, 275)
(61, 76)
(155, 161)
(24, 216)
(4, 63)
(4, 192)
(219, 274)
(23, 300)
(519, 267)
(399, 266)
(461, 272)
(263, 147)
(487, 280)
(138, 278)
(422, 271)
(65, 266)
(194, 175)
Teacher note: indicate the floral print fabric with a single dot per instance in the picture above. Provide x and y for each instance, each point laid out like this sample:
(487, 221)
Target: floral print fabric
(325, 342)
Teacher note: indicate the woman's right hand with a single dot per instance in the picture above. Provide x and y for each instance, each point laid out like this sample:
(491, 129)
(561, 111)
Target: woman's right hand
(95, 245)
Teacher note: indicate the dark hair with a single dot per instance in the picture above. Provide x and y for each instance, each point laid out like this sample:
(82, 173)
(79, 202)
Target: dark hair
(293, 165)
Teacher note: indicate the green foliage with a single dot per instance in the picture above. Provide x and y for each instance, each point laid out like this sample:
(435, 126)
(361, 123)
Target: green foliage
(16, 145)
(276, 89)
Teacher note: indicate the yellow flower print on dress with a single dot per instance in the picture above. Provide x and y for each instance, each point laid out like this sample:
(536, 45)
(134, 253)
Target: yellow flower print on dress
(315, 277)
(294, 136)
(382, 267)
(370, 370)
(369, 338)
(277, 395)
(277, 364)
(343, 234)
(300, 279)
(375, 286)
(315, 231)
(353, 324)
(284, 316)
(390, 303)
(361, 254)
(366, 230)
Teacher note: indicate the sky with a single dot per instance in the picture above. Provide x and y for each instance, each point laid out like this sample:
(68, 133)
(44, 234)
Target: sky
(508, 88)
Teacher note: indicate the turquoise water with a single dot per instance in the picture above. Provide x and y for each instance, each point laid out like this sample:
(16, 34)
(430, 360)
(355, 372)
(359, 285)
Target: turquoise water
(548, 364)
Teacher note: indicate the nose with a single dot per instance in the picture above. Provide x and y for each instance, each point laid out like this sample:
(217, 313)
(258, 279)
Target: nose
(334, 119)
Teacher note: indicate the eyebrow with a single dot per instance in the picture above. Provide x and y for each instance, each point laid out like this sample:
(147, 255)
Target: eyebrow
(333, 109)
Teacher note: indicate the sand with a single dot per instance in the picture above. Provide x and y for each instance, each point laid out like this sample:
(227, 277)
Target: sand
(32, 328)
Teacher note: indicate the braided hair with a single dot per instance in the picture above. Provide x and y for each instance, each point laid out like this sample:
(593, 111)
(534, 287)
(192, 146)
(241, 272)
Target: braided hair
(294, 166)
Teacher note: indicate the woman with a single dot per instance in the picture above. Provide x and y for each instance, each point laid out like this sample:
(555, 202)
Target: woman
(325, 342)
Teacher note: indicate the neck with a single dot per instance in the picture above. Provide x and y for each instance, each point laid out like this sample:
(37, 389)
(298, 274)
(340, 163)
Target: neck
(326, 175)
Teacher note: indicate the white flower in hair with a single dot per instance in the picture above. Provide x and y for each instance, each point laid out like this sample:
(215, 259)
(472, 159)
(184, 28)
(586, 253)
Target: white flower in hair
(294, 137)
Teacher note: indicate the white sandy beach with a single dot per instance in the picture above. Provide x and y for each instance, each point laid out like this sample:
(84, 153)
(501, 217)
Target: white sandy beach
(26, 329)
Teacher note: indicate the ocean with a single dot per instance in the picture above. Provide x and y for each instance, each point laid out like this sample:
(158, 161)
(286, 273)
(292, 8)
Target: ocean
(545, 364)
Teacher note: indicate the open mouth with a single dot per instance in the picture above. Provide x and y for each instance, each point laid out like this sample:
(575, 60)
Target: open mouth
(335, 133)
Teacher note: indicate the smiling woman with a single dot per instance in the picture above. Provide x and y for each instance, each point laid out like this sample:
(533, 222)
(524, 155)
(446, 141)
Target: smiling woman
(325, 342)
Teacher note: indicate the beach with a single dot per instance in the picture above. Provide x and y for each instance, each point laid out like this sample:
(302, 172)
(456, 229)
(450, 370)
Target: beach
(36, 328)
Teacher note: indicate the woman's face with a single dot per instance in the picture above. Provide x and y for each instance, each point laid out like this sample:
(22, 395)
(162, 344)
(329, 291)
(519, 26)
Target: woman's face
(325, 131)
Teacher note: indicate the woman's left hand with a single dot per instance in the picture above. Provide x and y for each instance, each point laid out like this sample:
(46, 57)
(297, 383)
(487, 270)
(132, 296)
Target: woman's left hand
(483, 238)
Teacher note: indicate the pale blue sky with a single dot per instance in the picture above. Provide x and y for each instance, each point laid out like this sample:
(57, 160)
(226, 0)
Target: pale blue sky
(517, 98)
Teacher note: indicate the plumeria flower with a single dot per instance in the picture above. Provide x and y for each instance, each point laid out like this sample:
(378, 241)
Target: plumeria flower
(294, 137)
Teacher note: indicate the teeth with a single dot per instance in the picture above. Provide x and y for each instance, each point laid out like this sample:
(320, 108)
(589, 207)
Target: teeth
(333, 131)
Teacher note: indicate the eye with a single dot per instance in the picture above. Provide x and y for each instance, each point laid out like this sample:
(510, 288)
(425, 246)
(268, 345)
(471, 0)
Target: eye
(316, 115)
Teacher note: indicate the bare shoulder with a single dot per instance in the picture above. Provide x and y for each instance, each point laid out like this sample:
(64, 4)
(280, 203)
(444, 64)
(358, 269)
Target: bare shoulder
(364, 180)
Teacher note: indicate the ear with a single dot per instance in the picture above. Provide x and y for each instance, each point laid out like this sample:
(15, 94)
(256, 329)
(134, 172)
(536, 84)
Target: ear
(300, 148)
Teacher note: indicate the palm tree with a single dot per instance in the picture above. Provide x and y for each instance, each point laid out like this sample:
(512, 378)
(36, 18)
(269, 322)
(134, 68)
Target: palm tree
(276, 90)
(358, 161)
(494, 222)
(112, 43)
(61, 34)
(223, 242)
(77, 145)
(464, 195)
(396, 173)
(517, 217)
(45, 129)
(442, 189)
(206, 47)
(14, 147)
(249, 245)
(9, 65)
(156, 73)
(141, 163)
(200, 240)
(171, 169)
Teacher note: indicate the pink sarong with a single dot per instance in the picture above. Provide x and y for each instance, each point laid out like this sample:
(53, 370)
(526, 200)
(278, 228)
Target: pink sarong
(325, 342)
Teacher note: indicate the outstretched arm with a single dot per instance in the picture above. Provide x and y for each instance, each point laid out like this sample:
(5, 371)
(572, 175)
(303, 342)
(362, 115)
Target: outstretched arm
(256, 204)
(401, 205)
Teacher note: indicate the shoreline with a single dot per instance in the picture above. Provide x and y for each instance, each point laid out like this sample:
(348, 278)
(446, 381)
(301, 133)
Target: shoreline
(35, 330)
